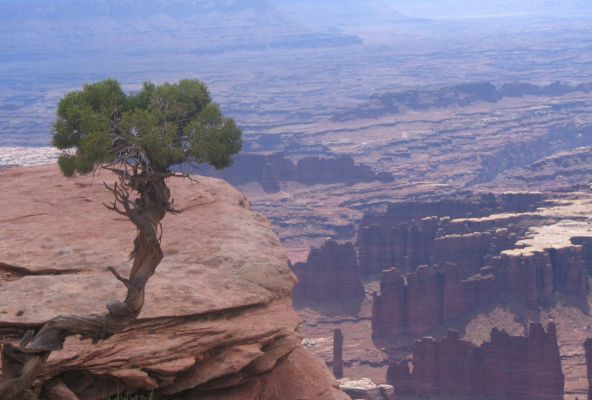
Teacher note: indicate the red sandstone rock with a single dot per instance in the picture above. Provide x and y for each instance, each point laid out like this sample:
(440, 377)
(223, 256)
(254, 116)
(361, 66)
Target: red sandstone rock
(329, 276)
(218, 321)
(412, 304)
(569, 271)
(457, 296)
(535, 277)
(338, 354)
(413, 244)
(527, 278)
(373, 250)
(424, 299)
(588, 350)
(505, 368)
(466, 251)
(407, 235)
(415, 303)
(389, 308)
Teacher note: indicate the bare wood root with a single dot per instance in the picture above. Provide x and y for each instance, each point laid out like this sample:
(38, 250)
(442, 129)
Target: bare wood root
(22, 364)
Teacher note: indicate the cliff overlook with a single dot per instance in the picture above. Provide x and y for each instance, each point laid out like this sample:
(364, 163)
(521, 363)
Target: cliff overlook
(218, 321)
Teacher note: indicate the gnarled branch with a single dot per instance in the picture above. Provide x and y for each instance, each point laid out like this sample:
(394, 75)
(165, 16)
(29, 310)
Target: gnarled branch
(22, 363)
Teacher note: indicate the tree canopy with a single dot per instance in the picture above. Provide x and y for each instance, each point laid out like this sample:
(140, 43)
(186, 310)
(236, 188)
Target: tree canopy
(138, 137)
(158, 126)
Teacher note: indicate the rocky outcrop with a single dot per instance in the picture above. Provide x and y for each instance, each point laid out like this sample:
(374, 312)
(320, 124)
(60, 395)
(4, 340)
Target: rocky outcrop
(406, 245)
(588, 351)
(586, 243)
(329, 276)
(521, 153)
(410, 234)
(374, 250)
(466, 251)
(270, 170)
(338, 353)
(566, 170)
(505, 368)
(412, 244)
(535, 277)
(218, 321)
(365, 389)
(414, 303)
(343, 169)
(461, 95)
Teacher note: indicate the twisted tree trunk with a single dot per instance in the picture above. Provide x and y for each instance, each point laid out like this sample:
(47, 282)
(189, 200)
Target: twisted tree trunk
(21, 364)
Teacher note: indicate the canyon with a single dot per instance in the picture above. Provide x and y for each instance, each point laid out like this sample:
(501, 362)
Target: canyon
(430, 176)
(472, 262)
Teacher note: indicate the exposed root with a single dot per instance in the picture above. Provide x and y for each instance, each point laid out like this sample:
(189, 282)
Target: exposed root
(21, 364)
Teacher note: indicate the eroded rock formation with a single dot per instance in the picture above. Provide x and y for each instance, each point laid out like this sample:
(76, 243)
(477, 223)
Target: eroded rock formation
(505, 368)
(270, 170)
(588, 351)
(535, 277)
(365, 389)
(338, 353)
(461, 95)
(329, 276)
(410, 234)
(217, 323)
(412, 304)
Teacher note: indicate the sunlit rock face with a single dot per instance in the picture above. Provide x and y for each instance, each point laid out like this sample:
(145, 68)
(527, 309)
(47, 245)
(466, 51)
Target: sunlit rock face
(218, 321)
(366, 389)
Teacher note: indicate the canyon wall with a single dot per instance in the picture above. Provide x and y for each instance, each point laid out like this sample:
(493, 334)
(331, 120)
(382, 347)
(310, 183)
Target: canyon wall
(534, 278)
(414, 303)
(461, 95)
(505, 368)
(444, 269)
(409, 234)
(588, 352)
(270, 170)
(329, 276)
(522, 152)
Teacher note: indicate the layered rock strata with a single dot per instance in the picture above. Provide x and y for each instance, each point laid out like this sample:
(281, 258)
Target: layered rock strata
(534, 278)
(410, 234)
(412, 304)
(273, 169)
(462, 95)
(218, 322)
(588, 351)
(507, 367)
(329, 276)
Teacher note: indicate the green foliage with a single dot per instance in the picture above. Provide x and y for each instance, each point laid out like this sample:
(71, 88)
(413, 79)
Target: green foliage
(160, 125)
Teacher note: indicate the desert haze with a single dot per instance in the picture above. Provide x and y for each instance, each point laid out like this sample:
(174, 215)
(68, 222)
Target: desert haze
(408, 213)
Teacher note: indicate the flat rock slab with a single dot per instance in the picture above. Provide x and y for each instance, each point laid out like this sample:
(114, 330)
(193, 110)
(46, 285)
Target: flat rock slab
(57, 240)
(218, 321)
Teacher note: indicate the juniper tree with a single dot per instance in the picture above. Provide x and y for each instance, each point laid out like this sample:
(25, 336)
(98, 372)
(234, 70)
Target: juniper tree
(138, 137)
